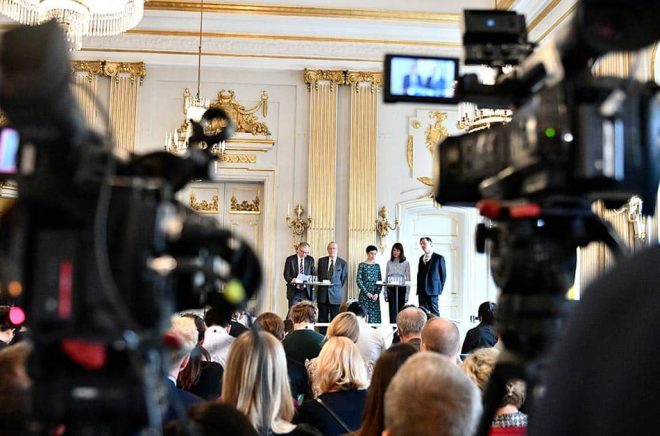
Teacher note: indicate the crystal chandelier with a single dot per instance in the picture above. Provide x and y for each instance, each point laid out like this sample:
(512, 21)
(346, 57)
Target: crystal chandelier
(78, 17)
(193, 108)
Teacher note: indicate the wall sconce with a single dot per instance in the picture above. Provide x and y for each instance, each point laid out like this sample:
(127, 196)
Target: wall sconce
(383, 226)
(298, 225)
(633, 211)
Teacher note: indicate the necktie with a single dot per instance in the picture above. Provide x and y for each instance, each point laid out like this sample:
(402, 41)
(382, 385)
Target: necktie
(302, 267)
(426, 258)
(331, 270)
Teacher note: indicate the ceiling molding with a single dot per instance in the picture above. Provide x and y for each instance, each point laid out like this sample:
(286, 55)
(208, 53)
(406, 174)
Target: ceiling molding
(570, 11)
(302, 11)
(183, 33)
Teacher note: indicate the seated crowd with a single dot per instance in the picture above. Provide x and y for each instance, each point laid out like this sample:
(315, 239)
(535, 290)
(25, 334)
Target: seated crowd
(268, 382)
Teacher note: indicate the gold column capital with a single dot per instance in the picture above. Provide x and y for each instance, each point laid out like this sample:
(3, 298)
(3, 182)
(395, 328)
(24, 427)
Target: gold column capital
(90, 67)
(135, 70)
(313, 77)
(373, 77)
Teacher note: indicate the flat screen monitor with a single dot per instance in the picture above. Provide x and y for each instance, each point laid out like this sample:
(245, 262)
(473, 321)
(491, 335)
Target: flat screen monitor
(423, 79)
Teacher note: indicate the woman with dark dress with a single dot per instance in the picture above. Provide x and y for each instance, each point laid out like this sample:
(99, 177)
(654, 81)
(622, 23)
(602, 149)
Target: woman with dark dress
(256, 383)
(483, 335)
(397, 270)
(342, 378)
(368, 274)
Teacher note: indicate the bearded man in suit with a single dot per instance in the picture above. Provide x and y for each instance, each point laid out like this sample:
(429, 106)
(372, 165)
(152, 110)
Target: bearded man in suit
(334, 269)
(431, 276)
(299, 263)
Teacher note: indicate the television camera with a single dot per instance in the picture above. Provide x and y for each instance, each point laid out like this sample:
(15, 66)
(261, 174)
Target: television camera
(573, 138)
(97, 251)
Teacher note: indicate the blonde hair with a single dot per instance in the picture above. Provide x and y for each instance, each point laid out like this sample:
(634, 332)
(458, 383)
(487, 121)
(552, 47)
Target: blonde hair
(479, 365)
(185, 331)
(256, 382)
(340, 366)
(345, 324)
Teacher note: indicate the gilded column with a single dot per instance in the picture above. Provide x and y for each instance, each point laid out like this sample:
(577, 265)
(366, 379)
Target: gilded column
(362, 209)
(322, 178)
(125, 80)
(85, 78)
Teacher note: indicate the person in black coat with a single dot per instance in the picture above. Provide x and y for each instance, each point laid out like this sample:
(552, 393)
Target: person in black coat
(484, 334)
(299, 263)
(431, 276)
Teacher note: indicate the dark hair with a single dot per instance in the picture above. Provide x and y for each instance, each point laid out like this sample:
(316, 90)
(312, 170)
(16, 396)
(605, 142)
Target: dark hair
(487, 312)
(425, 238)
(190, 374)
(271, 323)
(212, 419)
(398, 246)
(388, 364)
(199, 323)
(357, 308)
(5, 322)
(371, 248)
(288, 326)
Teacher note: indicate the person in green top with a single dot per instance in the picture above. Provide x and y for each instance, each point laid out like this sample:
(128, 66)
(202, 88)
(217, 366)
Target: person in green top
(303, 342)
(367, 275)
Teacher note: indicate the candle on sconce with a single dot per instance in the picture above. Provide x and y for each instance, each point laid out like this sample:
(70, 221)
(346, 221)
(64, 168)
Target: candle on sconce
(288, 209)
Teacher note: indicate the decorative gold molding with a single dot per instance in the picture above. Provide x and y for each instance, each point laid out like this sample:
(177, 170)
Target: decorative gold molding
(504, 4)
(416, 124)
(313, 77)
(355, 77)
(245, 207)
(135, 70)
(426, 180)
(89, 67)
(302, 38)
(560, 20)
(239, 158)
(409, 151)
(541, 15)
(436, 132)
(300, 11)
(244, 119)
(204, 206)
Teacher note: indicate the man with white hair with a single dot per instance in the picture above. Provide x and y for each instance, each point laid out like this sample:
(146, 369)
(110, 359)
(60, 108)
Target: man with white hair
(430, 395)
(409, 323)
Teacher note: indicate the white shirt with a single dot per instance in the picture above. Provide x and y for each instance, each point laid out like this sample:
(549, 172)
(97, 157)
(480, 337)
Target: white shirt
(217, 342)
(370, 342)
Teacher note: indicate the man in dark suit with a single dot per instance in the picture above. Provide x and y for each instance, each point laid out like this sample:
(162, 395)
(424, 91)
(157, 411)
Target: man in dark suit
(299, 263)
(412, 81)
(335, 270)
(431, 275)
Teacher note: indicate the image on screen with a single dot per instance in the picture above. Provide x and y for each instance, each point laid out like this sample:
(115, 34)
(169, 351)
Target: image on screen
(422, 77)
(8, 149)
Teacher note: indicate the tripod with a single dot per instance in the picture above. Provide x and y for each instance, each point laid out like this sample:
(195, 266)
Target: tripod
(533, 260)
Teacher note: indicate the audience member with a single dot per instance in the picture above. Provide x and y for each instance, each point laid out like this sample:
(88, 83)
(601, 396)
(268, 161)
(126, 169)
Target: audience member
(387, 365)
(346, 325)
(211, 419)
(298, 380)
(508, 419)
(240, 323)
(370, 341)
(483, 335)
(7, 329)
(410, 322)
(256, 383)
(430, 395)
(15, 388)
(288, 327)
(201, 376)
(441, 336)
(342, 379)
(217, 339)
(303, 342)
(184, 333)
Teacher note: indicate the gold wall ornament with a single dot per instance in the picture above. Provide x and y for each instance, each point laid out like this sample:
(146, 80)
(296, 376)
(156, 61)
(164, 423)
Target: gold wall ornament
(313, 77)
(426, 180)
(239, 158)
(436, 132)
(383, 226)
(134, 70)
(245, 207)
(245, 119)
(89, 68)
(298, 225)
(416, 124)
(409, 151)
(355, 78)
(204, 206)
(632, 210)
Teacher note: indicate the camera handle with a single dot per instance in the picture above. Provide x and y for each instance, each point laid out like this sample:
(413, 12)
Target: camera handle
(533, 258)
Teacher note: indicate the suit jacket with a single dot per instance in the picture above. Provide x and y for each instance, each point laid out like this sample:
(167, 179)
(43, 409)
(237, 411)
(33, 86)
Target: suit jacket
(291, 267)
(410, 81)
(332, 294)
(434, 281)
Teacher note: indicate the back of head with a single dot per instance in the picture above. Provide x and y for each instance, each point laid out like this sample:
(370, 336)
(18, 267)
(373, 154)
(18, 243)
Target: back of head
(184, 331)
(214, 317)
(386, 367)
(441, 336)
(305, 311)
(357, 308)
(210, 419)
(345, 324)
(430, 395)
(487, 312)
(340, 366)
(199, 323)
(479, 366)
(256, 381)
(410, 322)
(271, 323)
